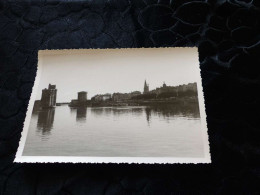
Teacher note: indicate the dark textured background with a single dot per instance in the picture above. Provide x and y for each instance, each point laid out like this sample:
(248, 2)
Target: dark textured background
(228, 36)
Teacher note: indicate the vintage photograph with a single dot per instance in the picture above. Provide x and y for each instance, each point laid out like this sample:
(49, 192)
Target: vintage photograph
(118, 106)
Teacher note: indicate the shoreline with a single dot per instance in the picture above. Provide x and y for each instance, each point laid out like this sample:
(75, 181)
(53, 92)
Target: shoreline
(154, 102)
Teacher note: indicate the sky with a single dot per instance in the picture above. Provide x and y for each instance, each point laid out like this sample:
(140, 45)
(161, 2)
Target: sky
(115, 70)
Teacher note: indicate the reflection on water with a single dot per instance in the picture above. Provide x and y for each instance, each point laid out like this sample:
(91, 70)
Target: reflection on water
(165, 111)
(148, 113)
(117, 111)
(45, 121)
(81, 113)
(165, 130)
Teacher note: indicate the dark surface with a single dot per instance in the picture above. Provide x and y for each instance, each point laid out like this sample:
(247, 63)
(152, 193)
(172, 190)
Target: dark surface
(227, 34)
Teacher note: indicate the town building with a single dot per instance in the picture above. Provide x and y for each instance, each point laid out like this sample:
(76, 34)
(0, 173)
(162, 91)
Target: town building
(124, 96)
(175, 89)
(188, 87)
(164, 89)
(135, 93)
(102, 97)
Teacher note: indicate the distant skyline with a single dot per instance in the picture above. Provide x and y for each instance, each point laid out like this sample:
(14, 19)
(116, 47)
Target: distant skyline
(116, 70)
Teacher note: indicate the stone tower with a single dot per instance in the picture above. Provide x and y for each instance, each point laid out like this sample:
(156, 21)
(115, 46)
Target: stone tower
(82, 96)
(146, 87)
(49, 96)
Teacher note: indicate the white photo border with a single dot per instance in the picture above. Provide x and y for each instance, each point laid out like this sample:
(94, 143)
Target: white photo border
(88, 159)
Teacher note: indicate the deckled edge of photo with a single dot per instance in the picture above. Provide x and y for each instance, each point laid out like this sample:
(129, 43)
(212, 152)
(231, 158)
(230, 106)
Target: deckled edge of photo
(130, 160)
(18, 156)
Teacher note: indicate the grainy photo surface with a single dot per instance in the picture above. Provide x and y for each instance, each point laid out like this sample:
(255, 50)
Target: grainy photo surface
(116, 105)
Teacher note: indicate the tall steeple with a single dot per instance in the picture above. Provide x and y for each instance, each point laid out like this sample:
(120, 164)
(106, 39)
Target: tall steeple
(146, 87)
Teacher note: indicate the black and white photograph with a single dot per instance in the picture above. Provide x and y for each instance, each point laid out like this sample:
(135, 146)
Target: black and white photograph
(129, 97)
(116, 106)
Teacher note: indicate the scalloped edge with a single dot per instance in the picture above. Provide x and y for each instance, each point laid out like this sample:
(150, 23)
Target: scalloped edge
(19, 158)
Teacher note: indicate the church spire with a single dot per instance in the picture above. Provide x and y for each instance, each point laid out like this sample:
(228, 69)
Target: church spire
(146, 87)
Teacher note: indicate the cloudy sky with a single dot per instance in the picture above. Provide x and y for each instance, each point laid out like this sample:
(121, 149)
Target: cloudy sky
(115, 70)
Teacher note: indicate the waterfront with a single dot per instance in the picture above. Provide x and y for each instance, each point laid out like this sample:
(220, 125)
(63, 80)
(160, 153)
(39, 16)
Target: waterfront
(132, 131)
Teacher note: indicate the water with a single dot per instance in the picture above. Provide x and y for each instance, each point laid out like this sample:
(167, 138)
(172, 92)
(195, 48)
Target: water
(138, 131)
